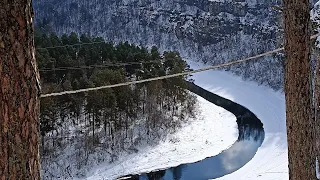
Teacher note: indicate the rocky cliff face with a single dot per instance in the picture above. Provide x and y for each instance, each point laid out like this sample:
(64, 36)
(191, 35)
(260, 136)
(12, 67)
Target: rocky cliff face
(212, 31)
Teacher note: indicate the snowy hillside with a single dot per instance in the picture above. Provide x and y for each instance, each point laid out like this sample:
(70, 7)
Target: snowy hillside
(210, 31)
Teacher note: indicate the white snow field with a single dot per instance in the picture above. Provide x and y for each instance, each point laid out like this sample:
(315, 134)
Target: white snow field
(214, 131)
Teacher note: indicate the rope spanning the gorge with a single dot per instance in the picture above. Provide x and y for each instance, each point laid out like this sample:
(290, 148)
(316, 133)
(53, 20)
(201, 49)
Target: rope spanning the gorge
(171, 75)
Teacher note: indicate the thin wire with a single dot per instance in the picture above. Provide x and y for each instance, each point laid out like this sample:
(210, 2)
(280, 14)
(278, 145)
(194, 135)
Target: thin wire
(98, 42)
(70, 45)
(97, 66)
(169, 76)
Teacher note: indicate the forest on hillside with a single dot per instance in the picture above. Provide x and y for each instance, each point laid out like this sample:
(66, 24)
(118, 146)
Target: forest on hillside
(96, 126)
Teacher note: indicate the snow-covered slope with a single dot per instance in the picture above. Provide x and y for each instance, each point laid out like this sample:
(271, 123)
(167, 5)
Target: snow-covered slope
(214, 131)
(270, 161)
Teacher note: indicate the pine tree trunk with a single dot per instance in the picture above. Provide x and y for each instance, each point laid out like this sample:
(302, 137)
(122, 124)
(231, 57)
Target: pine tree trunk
(298, 90)
(19, 89)
(105, 123)
(93, 119)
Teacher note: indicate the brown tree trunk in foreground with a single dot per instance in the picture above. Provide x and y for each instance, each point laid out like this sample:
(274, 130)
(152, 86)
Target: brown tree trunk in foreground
(298, 90)
(19, 101)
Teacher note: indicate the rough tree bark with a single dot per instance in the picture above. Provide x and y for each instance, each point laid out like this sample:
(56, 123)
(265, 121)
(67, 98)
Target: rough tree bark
(19, 90)
(298, 90)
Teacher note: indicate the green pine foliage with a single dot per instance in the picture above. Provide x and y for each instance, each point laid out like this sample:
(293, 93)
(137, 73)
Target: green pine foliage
(161, 103)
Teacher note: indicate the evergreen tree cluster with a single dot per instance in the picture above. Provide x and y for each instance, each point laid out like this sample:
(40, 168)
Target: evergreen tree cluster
(103, 114)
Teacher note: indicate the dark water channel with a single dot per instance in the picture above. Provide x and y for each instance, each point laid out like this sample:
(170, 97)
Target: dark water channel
(251, 136)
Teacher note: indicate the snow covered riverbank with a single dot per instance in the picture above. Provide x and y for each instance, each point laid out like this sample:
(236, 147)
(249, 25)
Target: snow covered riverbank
(271, 160)
(212, 133)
